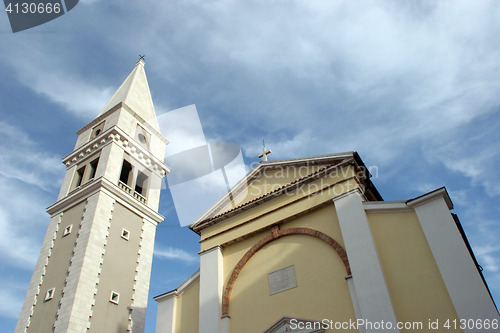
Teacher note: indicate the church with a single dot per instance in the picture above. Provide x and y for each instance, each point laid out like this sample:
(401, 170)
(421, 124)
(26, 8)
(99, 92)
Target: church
(298, 245)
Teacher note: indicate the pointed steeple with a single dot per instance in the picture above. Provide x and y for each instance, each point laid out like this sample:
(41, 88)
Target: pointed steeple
(134, 92)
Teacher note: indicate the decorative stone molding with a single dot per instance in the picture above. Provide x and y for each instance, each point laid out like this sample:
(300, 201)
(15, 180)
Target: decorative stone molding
(275, 234)
(116, 135)
(102, 184)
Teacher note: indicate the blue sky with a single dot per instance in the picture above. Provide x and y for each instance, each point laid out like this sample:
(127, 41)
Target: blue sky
(413, 86)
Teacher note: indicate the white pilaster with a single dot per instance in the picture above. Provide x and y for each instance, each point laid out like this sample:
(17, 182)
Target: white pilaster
(165, 318)
(355, 303)
(143, 275)
(211, 284)
(463, 282)
(375, 303)
(225, 325)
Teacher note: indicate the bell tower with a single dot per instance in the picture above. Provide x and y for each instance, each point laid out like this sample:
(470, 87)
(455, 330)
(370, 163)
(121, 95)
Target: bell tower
(94, 267)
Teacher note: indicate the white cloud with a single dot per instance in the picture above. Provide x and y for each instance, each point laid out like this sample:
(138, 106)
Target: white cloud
(29, 178)
(175, 254)
(21, 158)
(55, 80)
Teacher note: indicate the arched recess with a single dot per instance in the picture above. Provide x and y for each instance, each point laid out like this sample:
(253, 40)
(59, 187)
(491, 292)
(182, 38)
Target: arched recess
(275, 234)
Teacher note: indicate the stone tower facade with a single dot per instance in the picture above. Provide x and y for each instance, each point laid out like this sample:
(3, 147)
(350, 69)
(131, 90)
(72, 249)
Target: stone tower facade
(94, 267)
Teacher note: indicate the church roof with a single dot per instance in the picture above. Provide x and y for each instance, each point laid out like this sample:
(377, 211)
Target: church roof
(271, 194)
(135, 93)
(330, 161)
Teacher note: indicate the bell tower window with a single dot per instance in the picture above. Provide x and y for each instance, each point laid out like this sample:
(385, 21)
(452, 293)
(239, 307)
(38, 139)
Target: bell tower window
(140, 184)
(79, 177)
(126, 170)
(93, 168)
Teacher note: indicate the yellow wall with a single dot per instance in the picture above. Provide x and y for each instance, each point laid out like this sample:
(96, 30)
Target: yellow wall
(186, 320)
(323, 219)
(415, 284)
(322, 291)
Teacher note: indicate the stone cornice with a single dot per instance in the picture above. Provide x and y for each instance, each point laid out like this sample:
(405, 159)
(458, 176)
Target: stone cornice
(440, 192)
(115, 134)
(96, 185)
(386, 206)
(192, 280)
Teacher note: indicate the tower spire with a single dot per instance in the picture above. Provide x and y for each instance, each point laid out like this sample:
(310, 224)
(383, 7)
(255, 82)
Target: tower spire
(135, 93)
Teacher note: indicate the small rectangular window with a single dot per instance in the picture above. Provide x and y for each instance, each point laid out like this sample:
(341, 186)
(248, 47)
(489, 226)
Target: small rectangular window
(115, 297)
(125, 234)
(49, 294)
(67, 230)
(93, 168)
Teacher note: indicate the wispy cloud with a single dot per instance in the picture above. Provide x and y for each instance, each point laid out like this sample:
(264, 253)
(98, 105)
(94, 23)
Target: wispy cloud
(29, 179)
(21, 158)
(170, 253)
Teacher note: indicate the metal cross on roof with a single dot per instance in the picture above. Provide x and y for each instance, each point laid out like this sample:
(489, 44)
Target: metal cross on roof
(264, 151)
(141, 57)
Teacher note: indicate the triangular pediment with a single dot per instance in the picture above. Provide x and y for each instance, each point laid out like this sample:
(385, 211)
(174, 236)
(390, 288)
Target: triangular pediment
(295, 325)
(271, 179)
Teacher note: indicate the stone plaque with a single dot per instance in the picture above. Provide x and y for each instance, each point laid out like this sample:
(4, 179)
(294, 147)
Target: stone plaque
(282, 280)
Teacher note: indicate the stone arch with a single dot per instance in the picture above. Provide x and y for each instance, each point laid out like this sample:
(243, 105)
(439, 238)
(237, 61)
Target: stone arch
(275, 234)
